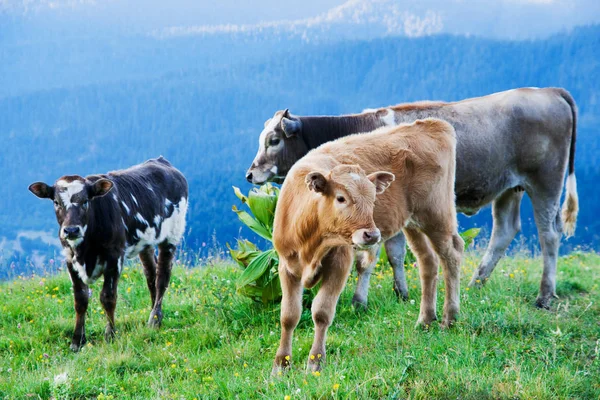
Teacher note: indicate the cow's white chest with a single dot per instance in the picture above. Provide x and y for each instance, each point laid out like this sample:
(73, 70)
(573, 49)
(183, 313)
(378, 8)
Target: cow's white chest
(96, 273)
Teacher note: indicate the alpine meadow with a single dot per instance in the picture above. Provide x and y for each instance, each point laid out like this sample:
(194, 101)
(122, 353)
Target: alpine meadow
(174, 224)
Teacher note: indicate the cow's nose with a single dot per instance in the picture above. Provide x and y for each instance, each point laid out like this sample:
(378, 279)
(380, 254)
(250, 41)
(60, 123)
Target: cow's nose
(72, 231)
(249, 176)
(371, 237)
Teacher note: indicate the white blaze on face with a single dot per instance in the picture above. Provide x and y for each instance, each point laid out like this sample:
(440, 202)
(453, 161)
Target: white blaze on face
(262, 140)
(67, 190)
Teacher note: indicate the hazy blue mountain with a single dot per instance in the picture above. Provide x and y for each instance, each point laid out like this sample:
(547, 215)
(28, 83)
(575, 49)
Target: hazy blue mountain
(201, 103)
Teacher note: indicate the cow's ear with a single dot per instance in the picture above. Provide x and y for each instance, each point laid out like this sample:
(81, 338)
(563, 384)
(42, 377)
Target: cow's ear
(382, 180)
(316, 182)
(100, 187)
(41, 190)
(291, 127)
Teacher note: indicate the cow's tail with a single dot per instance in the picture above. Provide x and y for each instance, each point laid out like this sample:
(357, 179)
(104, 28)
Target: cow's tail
(570, 207)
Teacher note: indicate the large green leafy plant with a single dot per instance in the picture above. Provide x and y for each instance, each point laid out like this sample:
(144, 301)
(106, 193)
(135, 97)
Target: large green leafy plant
(260, 280)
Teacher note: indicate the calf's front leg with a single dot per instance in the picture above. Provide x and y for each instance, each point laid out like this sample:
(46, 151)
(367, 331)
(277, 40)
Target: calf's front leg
(81, 296)
(336, 268)
(108, 296)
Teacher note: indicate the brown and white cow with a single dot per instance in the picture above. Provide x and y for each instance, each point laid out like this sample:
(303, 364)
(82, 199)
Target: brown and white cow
(106, 218)
(328, 206)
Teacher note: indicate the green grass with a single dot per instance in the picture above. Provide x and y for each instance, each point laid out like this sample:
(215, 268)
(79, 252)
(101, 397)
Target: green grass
(216, 344)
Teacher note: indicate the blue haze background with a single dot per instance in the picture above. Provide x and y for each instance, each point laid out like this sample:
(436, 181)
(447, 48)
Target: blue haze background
(93, 86)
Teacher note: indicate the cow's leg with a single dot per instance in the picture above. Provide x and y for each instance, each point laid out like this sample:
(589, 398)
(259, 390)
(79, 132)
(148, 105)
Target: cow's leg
(507, 223)
(81, 296)
(166, 253)
(148, 259)
(291, 308)
(428, 271)
(546, 211)
(365, 264)
(108, 295)
(336, 268)
(449, 247)
(395, 249)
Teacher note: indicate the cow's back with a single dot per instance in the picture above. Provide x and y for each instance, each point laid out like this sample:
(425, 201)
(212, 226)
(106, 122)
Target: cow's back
(500, 137)
(153, 198)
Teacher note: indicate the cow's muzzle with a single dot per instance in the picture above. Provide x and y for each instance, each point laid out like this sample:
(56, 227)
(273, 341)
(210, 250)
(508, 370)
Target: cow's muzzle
(258, 177)
(366, 237)
(72, 232)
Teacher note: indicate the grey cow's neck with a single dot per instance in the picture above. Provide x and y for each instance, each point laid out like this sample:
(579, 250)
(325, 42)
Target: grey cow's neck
(322, 129)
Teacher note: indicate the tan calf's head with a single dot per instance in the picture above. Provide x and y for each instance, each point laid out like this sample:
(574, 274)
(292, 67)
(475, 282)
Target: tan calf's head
(348, 199)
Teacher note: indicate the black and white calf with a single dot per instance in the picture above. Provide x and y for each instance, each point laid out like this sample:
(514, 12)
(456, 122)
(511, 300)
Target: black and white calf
(105, 218)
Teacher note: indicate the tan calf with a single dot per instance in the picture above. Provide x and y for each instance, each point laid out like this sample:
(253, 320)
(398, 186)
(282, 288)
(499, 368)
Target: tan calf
(328, 207)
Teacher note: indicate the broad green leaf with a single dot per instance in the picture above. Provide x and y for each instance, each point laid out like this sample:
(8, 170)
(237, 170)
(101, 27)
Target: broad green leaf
(253, 224)
(256, 268)
(272, 291)
(262, 204)
(469, 236)
(239, 194)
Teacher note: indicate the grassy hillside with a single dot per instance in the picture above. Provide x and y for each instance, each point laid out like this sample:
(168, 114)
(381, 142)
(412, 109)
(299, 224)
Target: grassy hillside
(215, 344)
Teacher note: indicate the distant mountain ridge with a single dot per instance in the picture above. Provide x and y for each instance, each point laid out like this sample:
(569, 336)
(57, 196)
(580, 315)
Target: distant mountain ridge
(353, 19)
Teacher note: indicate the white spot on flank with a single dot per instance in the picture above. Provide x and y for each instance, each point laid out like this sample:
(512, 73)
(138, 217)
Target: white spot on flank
(125, 207)
(68, 189)
(171, 230)
(389, 119)
(140, 218)
(274, 170)
(354, 176)
(134, 200)
(157, 220)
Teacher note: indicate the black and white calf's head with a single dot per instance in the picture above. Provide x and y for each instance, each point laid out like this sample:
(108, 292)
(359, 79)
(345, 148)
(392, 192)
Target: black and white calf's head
(72, 195)
(280, 146)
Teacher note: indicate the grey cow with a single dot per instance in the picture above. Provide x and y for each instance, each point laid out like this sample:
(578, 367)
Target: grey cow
(509, 143)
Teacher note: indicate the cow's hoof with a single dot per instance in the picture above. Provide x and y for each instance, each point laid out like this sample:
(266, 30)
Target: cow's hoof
(447, 322)
(401, 294)
(315, 366)
(280, 366)
(425, 322)
(77, 345)
(359, 304)
(109, 334)
(544, 302)
(155, 319)
(477, 282)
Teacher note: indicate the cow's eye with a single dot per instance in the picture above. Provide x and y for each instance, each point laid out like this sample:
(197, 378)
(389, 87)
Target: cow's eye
(341, 199)
(56, 203)
(84, 204)
(274, 141)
